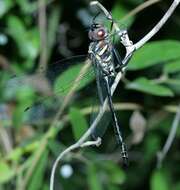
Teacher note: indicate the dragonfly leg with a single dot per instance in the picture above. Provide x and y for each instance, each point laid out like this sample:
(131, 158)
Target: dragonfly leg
(116, 125)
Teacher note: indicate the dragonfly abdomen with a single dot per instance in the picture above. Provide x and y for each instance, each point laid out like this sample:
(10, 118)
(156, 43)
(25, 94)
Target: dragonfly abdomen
(102, 52)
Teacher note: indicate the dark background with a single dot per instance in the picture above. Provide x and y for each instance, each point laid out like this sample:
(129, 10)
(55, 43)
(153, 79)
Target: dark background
(34, 35)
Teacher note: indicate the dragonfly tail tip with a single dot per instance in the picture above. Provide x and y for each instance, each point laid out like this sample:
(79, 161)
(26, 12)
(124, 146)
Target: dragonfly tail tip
(125, 163)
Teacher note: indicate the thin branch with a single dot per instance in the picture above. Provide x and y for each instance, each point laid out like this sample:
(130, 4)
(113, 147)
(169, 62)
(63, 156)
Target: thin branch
(158, 26)
(162, 154)
(117, 106)
(92, 143)
(42, 22)
(129, 50)
(140, 8)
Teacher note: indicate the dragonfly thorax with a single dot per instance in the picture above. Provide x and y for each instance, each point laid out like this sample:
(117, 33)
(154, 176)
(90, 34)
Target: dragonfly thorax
(101, 55)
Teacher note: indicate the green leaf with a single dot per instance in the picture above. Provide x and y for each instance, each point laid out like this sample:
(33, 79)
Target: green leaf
(37, 182)
(78, 121)
(65, 81)
(33, 43)
(154, 53)
(6, 173)
(17, 32)
(27, 7)
(150, 87)
(15, 154)
(93, 178)
(27, 40)
(172, 67)
(159, 181)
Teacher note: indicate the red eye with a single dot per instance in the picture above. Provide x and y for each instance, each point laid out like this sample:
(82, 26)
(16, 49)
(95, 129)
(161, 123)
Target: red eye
(101, 33)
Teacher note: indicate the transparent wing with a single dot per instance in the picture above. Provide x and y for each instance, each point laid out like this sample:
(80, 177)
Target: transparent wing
(104, 123)
(52, 85)
(106, 118)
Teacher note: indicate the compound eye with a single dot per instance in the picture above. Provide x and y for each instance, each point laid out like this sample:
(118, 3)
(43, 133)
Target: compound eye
(101, 33)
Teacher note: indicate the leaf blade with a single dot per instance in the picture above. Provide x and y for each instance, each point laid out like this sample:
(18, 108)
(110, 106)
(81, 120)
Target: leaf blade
(154, 53)
(159, 181)
(78, 121)
(147, 86)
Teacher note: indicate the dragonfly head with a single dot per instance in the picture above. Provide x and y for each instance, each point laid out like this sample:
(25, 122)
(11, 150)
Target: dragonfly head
(97, 32)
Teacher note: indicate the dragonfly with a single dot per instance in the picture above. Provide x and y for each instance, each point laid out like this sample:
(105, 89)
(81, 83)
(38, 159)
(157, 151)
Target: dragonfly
(106, 62)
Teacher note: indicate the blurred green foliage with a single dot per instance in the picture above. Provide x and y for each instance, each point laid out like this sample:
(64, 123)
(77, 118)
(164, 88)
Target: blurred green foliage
(30, 141)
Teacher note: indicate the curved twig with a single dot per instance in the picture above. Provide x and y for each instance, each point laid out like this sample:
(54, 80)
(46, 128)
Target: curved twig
(158, 26)
(140, 8)
(69, 149)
